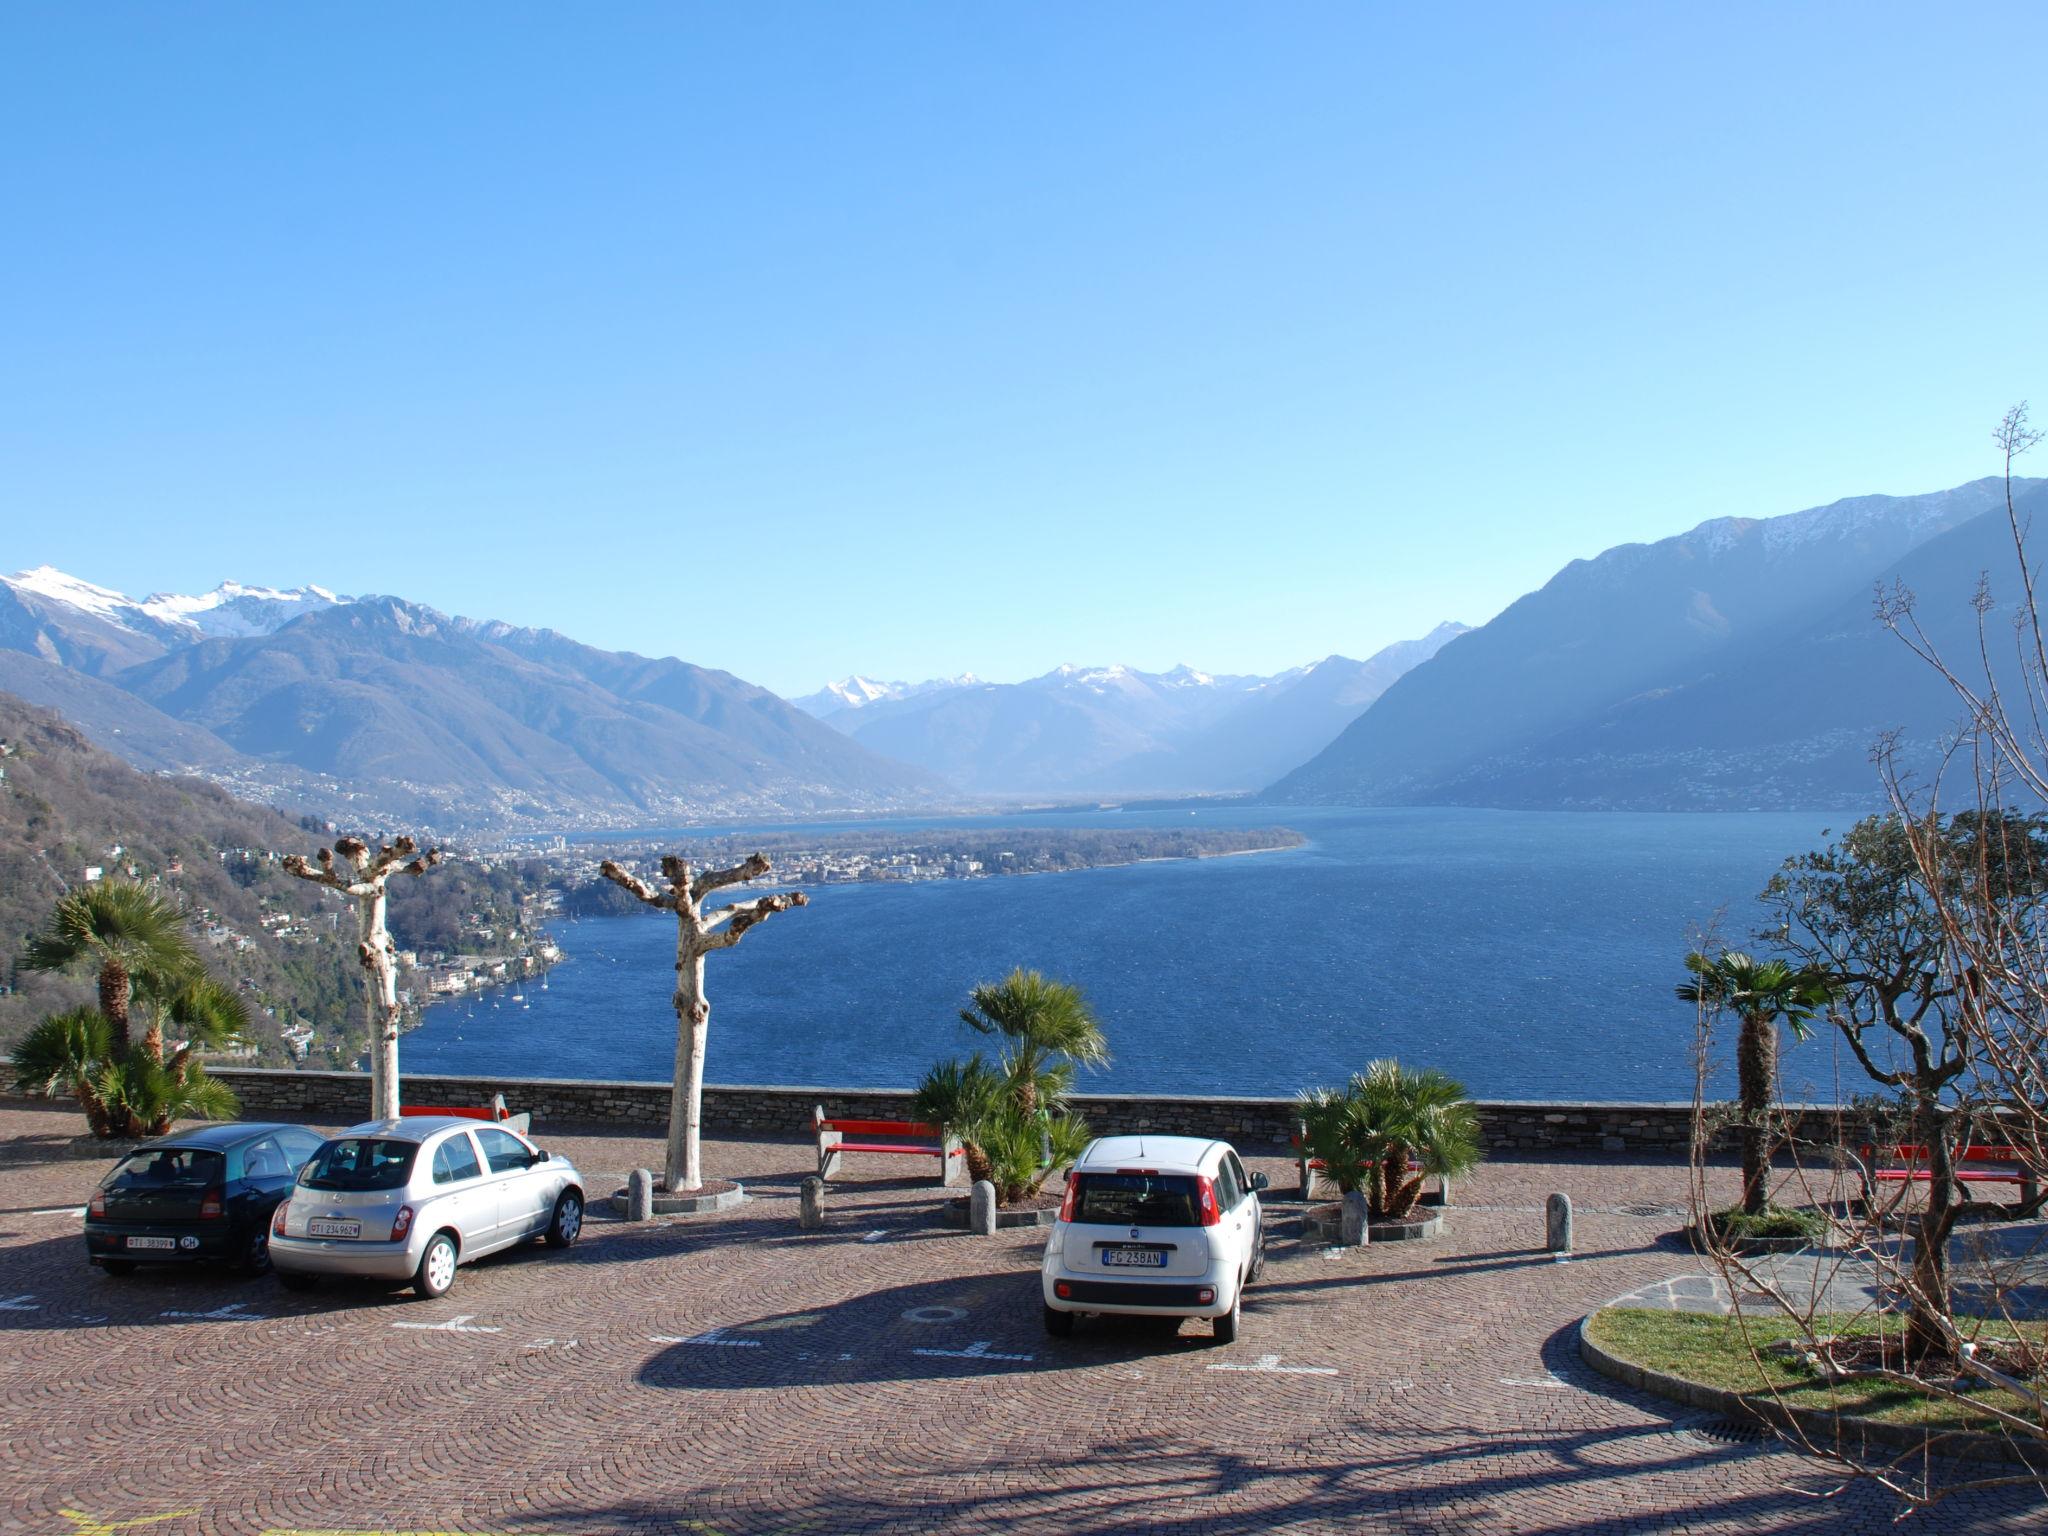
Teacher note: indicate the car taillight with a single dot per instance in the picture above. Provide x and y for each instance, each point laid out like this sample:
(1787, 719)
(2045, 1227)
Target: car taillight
(284, 1208)
(1212, 1213)
(402, 1224)
(1204, 1296)
(1064, 1291)
(1073, 1192)
(98, 1204)
(209, 1205)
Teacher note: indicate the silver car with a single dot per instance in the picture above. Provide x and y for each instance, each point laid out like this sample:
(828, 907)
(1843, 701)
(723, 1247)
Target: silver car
(409, 1199)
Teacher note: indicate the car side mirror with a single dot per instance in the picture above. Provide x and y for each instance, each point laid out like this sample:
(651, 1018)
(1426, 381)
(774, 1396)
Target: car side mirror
(543, 1155)
(1259, 1182)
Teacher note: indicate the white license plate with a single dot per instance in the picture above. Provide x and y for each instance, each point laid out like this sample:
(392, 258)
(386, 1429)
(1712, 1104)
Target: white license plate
(152, 1242)
(322, 1227)
(1134, 1258)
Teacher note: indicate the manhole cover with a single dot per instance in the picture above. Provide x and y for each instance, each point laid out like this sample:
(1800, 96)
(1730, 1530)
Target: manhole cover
(1731, 1431)
(1649, 1210)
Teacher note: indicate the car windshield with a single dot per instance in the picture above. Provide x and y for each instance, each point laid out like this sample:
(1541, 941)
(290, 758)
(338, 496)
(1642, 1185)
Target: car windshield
(1138, 1199)
(360, 1162)
(166, 1168)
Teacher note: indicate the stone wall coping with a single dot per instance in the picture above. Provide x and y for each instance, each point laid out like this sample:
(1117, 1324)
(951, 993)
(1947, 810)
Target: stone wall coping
(1597, 1106)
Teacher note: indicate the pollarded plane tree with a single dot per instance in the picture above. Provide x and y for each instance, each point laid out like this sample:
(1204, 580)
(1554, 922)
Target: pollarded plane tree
(697, 934)
(351, 868)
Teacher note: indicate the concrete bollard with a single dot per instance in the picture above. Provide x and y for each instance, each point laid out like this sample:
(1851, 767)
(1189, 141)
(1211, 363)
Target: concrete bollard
(1557, 1224)
(1354, 1224)
(640, 1195)
(981, 1209)
(810, 1203)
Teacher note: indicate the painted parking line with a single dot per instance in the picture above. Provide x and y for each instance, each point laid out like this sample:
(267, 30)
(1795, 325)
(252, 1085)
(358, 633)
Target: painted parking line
(876, 1236)
(1270, 1365)
(1534, 1381)
(709, 1336)
(26, 1302)
(458, 1324)
(978, 1350)
(62, 1210)
(233, 1312)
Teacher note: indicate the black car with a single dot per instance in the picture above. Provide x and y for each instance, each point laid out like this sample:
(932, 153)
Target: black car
(201, 1194)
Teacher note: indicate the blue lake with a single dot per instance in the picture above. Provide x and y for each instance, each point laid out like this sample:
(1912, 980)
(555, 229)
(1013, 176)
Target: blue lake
(1530, 954)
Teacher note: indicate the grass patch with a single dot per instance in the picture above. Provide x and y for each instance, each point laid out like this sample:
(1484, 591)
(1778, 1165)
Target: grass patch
(1732, 1354)
(1772, 1222)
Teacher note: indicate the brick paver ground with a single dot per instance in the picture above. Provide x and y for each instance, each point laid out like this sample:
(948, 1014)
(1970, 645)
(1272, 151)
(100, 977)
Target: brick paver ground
(735, 1374)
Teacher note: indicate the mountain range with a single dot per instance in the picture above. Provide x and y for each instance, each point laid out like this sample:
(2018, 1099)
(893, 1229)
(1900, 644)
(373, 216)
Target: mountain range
(388, 708)
(1114, 729)
(1738, 665)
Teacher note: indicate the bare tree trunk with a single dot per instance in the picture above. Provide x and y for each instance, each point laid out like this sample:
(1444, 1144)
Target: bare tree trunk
(363, 878)
(1756, 1062)
(696, 937)
(1928, 1308)
(686, 1098)
(380, 1001)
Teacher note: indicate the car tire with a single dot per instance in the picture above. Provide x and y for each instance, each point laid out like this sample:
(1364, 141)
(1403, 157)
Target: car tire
(1226, 1325)
(254, 1258)
(118, 1267)
(567, 1222)
(437, 1268)
(297, 1280)
(1059, 1324)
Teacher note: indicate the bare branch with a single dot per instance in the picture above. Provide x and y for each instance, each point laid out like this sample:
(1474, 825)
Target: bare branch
(628, 881)
(732, 922)
(752, 868)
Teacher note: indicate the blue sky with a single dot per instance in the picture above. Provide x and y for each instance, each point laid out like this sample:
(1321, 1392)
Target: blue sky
(911, 339)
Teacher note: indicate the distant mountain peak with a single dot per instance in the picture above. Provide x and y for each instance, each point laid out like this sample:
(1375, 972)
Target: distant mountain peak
(231, 610)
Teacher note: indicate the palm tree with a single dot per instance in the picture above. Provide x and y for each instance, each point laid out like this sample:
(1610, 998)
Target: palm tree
(1424, 1121)
(963, 1099)
(206, 1011)
(143, 1097)
(1759, 994)
(67, 1053)
(125, 934)
(1048, 1029)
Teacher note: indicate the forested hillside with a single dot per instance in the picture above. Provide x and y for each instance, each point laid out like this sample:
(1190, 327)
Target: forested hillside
(66, 808)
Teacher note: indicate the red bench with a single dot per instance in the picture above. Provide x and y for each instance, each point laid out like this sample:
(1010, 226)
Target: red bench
(890, 1138)
(1879, 1167)
(495, 1111)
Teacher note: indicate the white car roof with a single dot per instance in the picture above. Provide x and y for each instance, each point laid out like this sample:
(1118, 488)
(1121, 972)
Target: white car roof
(1166, 1154)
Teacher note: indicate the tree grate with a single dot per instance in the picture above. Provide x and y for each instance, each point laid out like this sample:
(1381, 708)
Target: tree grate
(1731, 1431)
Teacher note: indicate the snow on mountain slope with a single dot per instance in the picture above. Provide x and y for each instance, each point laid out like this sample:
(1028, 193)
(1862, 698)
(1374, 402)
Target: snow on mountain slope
(230, 610)
(857, 692)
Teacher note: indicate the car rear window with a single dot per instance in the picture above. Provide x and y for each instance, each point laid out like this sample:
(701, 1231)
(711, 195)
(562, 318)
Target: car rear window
(167, 1168)
(1138, 1199)
(360, 1162)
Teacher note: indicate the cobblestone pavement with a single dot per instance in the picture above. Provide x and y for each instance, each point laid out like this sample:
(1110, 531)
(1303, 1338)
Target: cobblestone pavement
(734, 1375)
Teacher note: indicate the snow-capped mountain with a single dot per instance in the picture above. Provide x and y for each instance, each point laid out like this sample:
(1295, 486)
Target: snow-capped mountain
(78, 614)
(859, 692)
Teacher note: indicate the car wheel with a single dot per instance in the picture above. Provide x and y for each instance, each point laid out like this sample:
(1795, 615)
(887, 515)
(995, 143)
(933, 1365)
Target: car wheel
(437, 1268)
(118, 1267)
(1057, 1323)
(1226, 1325)
(295, 1280)
(568, 1220)
(254, 1258)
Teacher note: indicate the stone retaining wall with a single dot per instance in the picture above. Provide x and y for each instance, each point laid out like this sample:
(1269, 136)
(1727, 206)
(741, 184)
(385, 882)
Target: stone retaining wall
(773, 1111)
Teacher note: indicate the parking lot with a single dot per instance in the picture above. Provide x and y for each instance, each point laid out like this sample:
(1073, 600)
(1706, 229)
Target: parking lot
(736, 1374)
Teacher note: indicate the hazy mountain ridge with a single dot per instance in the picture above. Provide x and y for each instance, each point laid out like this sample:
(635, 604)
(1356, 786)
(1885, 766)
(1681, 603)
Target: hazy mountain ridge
(1588, 693)
(1114, 729)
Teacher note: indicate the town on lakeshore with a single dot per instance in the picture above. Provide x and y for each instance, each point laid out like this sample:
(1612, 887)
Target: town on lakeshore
(1159, 770)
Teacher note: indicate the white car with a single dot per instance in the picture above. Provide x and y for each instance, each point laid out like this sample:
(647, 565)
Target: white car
(407, 1200)
(1155, 1226)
